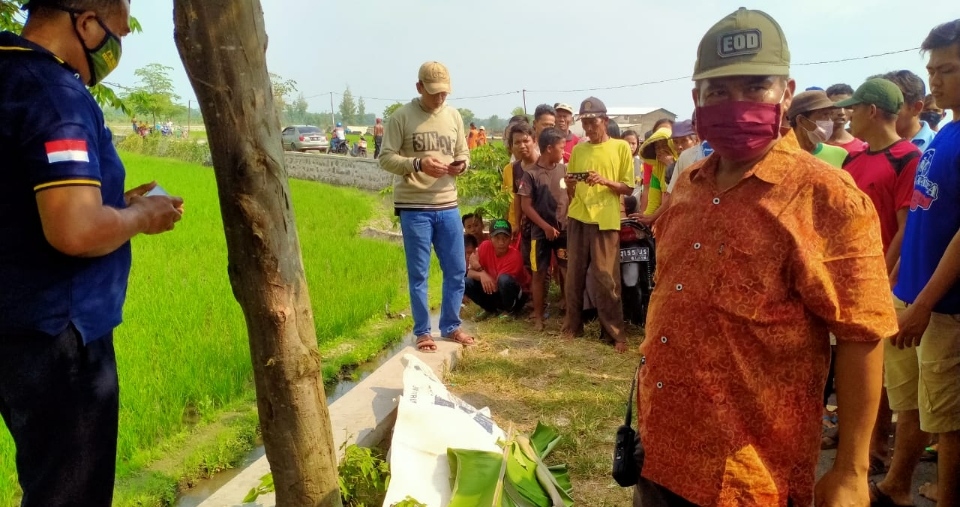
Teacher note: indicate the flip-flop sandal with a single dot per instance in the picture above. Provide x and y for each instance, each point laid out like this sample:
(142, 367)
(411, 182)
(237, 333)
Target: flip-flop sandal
(426, 344)
(880, 499)
(462, 338)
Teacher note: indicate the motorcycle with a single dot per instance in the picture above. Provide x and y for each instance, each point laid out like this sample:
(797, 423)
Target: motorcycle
(339, 147)
(638, 262)
(358, 151)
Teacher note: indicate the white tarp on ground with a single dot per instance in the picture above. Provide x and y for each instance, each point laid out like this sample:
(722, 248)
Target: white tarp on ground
(429, 421)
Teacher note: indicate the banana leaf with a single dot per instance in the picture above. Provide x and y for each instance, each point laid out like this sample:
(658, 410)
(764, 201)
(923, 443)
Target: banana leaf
(517, 478)
(544, 439)
(474, 477)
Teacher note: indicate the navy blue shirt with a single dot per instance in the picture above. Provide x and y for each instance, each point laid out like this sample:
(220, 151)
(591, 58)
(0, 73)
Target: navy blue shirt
(52, 133)
(934, 219)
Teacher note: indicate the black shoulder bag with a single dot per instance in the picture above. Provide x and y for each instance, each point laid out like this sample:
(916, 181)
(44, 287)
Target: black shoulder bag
(628, 451)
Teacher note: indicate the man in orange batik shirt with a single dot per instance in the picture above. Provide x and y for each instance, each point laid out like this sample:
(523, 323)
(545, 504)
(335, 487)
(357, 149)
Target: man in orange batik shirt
(767, 250)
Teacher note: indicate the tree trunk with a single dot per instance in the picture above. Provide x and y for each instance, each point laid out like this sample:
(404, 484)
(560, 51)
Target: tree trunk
(223, 46)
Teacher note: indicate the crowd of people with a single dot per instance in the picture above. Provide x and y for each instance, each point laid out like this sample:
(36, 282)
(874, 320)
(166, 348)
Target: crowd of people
(807, 242)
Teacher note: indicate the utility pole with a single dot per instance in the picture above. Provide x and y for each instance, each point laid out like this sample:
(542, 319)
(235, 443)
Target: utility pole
(333, 116)
(189, 110)
(524, 101)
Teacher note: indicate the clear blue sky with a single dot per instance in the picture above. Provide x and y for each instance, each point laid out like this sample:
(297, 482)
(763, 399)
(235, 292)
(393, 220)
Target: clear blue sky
(508, 45)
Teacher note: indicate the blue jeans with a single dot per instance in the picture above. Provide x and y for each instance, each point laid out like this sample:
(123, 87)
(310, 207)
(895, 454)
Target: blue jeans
(442, 230)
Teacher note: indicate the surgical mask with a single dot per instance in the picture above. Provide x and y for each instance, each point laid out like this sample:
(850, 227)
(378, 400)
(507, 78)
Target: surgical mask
(739, 130)
(822, 133)
(105, 57)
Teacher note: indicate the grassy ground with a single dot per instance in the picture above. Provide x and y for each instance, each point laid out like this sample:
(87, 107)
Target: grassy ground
(580, 386)
(182, 350)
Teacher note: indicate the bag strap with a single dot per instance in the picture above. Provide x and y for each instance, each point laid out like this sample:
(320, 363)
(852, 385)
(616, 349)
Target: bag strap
(633, 387)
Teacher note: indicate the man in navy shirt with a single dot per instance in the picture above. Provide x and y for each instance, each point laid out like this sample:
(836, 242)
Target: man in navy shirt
(929, 271)
(65, 252)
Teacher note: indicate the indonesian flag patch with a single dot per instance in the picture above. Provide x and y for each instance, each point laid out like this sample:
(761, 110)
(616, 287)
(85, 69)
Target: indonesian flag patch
(67, 150)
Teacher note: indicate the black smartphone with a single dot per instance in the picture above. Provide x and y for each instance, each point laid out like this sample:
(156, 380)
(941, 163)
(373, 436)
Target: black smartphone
(580, 176)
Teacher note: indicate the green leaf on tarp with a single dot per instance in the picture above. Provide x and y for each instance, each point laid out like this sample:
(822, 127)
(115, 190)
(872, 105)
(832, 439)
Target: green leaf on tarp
(544, 476)
(522, 474)
(514, 496)
(544, 439)
(474, 476)
(527, 480)
(562, 478)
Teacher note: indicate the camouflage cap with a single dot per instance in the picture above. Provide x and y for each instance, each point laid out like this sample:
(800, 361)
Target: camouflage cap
(745, 43)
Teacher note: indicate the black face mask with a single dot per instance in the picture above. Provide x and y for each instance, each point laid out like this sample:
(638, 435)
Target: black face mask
(931, 117)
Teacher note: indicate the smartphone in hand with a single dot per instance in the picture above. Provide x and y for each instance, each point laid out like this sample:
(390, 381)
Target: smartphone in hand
(457, 167)
(157, 190)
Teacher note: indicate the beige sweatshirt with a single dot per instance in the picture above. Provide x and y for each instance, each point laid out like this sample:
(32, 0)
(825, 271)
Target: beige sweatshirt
(413, 133)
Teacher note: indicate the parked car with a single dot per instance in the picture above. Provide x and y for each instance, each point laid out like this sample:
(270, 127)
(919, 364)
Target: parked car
(304, 137)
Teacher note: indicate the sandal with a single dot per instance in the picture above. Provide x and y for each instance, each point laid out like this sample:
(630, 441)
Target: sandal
(880, 499)
(462, 338)
(426, 344)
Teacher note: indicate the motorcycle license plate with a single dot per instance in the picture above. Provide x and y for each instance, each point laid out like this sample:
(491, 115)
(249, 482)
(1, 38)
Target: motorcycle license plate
(637, 254)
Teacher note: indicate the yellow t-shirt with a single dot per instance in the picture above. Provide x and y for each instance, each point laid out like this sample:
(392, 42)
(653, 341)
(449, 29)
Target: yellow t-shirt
(597, 204)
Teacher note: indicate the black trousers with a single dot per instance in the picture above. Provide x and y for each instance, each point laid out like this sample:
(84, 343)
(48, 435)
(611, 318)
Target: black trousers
(507, 298)
(60, 400)
(377, 143)
(650, 494)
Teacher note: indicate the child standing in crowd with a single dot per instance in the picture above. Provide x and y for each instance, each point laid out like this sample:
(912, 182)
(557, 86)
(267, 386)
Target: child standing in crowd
(544, 201)
(526, 150)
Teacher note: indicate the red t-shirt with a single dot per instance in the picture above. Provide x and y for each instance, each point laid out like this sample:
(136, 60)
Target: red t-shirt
(886, 176)
(510, 264)
(854, 147)
(572, 141)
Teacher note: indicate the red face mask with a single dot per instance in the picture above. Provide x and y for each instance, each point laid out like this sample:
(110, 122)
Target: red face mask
(740, 130)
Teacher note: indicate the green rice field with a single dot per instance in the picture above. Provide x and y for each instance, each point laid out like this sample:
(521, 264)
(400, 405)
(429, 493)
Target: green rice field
(182, 349)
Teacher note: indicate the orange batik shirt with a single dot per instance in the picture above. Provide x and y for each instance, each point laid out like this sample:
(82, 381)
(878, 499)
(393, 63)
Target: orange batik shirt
(737, 347)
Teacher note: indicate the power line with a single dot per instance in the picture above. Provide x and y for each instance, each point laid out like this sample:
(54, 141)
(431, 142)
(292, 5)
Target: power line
(488, 95)
(686, 78)
(598, 88)
(617, 87)
(856, 57)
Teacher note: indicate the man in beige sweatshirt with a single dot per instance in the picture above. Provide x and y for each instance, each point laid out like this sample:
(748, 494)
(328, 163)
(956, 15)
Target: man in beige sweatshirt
(425, 146)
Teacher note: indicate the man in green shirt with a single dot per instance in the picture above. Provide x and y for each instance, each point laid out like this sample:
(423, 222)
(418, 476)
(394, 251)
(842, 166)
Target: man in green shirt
(811, 117)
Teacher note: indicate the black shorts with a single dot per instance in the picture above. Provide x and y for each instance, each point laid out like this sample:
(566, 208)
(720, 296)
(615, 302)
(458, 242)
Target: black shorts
(537, 255)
